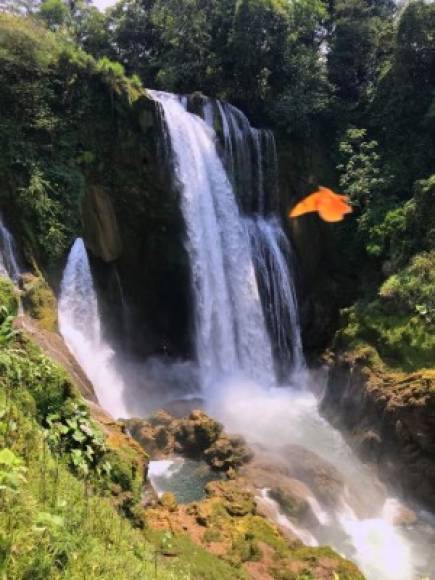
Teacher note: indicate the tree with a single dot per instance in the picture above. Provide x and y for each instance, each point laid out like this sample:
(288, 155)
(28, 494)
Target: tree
(402, 109)
(55, 13)
(359, 32)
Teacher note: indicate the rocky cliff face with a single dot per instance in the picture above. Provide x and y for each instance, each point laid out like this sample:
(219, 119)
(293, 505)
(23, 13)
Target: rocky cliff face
(389, 417)
(134, 231)
(323, 286)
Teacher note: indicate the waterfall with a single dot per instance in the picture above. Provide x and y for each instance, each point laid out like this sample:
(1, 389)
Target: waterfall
(231, 334)
(8, 258)
(273, 260)
(250, 157)
(80, 326)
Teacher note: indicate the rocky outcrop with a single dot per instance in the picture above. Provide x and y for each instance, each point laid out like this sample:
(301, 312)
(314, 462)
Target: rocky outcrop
(134, 230)
(100, 225)
(389, 417)
(227, 523)
(196, 436)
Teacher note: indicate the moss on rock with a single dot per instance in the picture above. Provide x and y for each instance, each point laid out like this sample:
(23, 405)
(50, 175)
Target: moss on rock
(388, 416)
(39, 301)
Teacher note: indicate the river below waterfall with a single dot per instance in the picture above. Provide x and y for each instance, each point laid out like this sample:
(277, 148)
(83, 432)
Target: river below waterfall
(245, 308)
(365, 522)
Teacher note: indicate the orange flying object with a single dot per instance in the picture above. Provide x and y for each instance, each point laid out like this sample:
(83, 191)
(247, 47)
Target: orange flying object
(330, 206)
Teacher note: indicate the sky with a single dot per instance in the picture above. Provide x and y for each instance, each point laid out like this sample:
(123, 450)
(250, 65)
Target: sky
(103, 4)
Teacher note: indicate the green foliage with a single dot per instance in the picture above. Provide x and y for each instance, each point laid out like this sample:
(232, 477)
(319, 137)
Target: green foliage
(7, 331)
(8, 298)
(22, 366)
(71, 431)
(360, 33)
(50, 93)
(12, 473)
(403, 341)
(34, 203)
(262, 55)
(360, 172)
(401, 105)
(54, 12)
(412, 290)
(57, 517)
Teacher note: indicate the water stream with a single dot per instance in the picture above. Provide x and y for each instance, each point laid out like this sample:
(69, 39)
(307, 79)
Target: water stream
(231, 334)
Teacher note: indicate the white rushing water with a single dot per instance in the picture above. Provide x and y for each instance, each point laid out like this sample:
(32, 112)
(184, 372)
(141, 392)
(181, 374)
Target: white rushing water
(8, 257)
(231, 334)
(251, 161)
(79, 324)
(273, 259)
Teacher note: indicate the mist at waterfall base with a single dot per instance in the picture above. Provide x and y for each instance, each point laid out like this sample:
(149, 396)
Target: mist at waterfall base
(243, 295)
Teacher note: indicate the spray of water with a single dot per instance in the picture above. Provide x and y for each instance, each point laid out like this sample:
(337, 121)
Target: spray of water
(361, 522)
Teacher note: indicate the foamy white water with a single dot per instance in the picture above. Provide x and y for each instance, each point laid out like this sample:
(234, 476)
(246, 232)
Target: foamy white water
(79, 324)
(361, 525)
(273, 260)
(381, 549)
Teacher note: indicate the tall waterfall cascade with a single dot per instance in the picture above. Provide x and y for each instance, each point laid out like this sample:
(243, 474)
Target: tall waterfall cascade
(8, 255)
(80, 326)
(231, 333)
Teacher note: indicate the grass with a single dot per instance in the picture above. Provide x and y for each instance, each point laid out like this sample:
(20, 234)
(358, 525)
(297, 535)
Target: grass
(61, 484)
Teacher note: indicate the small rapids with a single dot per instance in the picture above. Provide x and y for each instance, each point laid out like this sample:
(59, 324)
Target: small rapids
(361, 521)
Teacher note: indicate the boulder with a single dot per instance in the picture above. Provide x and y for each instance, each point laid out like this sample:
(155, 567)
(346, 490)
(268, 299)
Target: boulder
(197, 436)
(168, 501)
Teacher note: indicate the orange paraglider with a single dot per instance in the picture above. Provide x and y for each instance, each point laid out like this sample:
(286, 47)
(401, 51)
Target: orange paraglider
(330, 206)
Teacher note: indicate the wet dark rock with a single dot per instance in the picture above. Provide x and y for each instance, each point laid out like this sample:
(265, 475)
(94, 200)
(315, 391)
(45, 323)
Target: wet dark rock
(389, 417)
(322, 477)
(101, 225)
